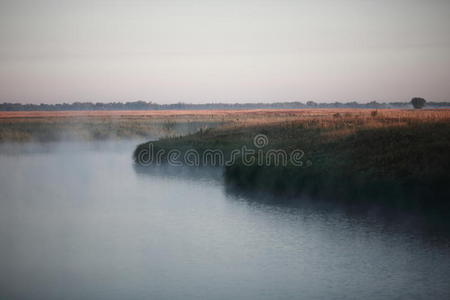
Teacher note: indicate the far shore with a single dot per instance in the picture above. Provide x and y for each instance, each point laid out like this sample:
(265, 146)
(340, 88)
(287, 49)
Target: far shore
(200, 112)
(49, 126)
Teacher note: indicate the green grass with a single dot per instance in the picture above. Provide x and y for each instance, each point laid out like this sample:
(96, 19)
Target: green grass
(349, 158)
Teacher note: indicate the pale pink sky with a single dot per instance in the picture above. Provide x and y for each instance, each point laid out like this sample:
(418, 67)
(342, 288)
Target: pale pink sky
(224, 51)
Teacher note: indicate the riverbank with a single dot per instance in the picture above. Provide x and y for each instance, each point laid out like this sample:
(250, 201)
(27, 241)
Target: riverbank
(349, 155)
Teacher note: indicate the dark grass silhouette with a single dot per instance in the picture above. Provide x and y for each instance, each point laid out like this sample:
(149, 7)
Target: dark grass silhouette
(377, 158)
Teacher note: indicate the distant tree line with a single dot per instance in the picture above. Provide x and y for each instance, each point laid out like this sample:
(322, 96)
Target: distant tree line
(143, 105)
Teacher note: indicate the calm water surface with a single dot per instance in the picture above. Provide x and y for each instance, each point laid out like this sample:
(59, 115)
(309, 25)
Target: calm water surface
(79, 221)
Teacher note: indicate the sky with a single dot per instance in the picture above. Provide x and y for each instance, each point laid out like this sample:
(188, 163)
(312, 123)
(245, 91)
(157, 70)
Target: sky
(54, 51)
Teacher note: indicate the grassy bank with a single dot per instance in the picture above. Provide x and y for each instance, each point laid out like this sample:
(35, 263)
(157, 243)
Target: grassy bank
(348, 154)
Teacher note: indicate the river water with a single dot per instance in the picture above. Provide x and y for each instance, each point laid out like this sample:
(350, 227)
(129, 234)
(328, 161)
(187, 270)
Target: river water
(80, 221)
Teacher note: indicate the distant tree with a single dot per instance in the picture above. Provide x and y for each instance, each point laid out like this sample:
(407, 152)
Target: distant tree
(418, 102)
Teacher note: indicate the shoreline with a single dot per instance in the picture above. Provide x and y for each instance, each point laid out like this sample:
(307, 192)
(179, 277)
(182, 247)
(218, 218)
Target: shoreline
(373, 157)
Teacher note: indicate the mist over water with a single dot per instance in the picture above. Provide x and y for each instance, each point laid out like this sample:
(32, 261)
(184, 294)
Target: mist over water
(81, 221)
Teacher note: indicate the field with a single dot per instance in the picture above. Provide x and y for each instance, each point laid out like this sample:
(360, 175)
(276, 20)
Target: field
(98, 125)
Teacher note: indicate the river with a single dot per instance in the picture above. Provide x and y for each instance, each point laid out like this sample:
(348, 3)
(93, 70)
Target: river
(80, 221)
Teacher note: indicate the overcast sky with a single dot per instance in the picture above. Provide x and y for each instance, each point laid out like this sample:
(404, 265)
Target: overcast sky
(229, 51)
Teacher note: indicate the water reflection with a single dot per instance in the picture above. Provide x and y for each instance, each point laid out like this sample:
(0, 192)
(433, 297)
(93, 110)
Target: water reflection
(328, 242)
(430, 225)
(195, 174)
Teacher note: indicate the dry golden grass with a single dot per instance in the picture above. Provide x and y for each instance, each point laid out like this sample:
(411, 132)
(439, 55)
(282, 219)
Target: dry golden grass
(50, 125)
(259, 115)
